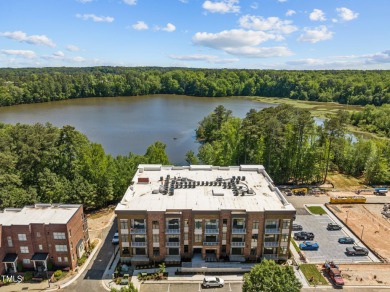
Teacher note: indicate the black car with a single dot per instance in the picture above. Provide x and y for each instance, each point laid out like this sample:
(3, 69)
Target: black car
(346, 240)
(303, 235)
(297, 227)
(333, 226)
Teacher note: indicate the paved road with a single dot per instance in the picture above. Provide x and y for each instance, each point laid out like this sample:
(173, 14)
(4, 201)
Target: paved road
(189, 287)
(90, 280)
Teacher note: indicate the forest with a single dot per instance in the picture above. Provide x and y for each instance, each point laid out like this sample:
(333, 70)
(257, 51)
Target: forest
(43, 163)
(290, 145)
(34, 85)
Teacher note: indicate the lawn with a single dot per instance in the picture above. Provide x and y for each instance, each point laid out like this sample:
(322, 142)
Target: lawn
(295, 245)
(316, 210)
(310, 271)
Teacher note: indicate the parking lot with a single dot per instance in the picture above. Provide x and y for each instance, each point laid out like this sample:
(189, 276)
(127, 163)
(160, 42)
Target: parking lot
(188, 287)
(329, 248)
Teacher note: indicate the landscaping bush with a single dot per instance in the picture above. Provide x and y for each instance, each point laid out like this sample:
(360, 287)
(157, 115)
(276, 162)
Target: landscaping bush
(20, 267)
(82, 260)
(28, 276)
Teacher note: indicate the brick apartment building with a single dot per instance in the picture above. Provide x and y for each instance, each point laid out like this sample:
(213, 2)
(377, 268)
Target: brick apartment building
(34, 235)
(235, 213)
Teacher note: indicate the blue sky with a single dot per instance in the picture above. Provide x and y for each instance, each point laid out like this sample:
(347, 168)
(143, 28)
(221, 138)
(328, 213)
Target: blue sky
(258, 34)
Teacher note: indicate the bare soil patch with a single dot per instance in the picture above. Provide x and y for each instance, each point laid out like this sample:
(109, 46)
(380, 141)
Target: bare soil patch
(100, 219)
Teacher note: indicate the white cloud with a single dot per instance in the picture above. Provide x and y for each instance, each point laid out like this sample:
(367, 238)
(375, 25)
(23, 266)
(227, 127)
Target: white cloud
(290, 12)
(95, 18)
(282, 1)
(183, 1)
(59, 54)
(84, 1)
(317, 15)
(223, 6)
(169, 28)
(77, 59)
(32, 39)
(72, 48)
(140, 25)
(260, 52)
(273, 24)
(203, 58)
(316, 34)
(383, 57)
(346, 14)
(20, 53)
(234, 38)
(130, 2)
(254, 5)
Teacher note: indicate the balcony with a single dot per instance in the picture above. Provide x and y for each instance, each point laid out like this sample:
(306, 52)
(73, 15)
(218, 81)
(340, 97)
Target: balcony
(172, 231)
(272, 231)
(210, 243)
(172, 244)
(137, 231)
(138, 244)
(270, 256)
(238, 244)
(238, 231)
(271, 244)
(211, 231)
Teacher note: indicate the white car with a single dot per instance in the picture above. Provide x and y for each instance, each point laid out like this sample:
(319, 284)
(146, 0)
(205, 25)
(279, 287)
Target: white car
(213, 282)
(115, 239)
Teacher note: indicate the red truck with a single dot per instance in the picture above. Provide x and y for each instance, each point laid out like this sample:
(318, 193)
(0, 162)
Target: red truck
(334, 273)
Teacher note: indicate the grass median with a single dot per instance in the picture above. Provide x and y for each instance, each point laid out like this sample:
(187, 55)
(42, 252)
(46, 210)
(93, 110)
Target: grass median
(316, 210)
(312, 275)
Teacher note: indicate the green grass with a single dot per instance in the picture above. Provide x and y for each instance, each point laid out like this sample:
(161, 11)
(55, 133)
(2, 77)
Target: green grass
(295, 245)
(310, 272)
(316, 210)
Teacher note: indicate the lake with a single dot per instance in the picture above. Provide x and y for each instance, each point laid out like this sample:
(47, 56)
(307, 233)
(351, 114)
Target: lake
(131, 124)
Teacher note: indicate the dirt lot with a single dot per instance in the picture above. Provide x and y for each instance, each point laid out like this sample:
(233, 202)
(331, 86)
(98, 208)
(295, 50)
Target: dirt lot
(376, 232)
(98, 220)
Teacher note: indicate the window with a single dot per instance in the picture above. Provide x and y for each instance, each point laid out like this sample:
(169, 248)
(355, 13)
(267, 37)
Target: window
(9, 239)
(223, 236)
(124, 223)
(172, 223)
(65, 259)
(155, 224)
(40, 247)
(284, 237)
(198, 223)
(224, 222)
(271, 224)
(238, 223)
(283, 250)
(26, 261)
(156, 251)
(286, 223)
(60, 248)
(253, 251)
(24, 249)
(271, 238)
(59, 259)
(138, 223)
(38, 234)
(173, 251)
(223, 249)
(156, 238)
(254, 239)
(140, 251)
(186, 248)
(59, 235)
(185, 222)
(185, 236)
(139, 238)
(22, 237)
(124, 238)
(212, 224)
(198, 238)
(255, 224)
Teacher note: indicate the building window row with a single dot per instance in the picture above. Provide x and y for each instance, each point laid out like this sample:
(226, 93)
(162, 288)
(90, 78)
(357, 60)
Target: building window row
(59, 235)
(61, 248)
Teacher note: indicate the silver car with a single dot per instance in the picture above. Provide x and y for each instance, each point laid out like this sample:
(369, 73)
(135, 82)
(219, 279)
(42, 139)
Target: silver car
(213, 282)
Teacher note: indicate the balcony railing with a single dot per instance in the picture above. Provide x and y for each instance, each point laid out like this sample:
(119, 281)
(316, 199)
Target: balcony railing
(211, 231)
(137, 231)
(210, 243)
(172, 231)
(238, 244)
(238, 231)
(270, 256)
(138, 244)
(271, 244)
(172, 244)
(272, 231)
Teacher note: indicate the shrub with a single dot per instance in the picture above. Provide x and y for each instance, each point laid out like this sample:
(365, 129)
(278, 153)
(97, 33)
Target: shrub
(58, 274)
(20, 267)
(82, 260)
(28, 276)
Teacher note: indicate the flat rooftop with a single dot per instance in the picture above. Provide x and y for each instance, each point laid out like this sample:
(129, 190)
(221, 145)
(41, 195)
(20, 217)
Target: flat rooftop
(38, 214)
(203, 188)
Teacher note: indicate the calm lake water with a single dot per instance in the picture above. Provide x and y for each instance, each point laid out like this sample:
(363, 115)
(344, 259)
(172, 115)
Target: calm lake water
(131, 124)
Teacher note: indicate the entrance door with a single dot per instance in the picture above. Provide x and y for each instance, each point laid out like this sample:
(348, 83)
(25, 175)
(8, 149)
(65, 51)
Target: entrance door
(197, 250)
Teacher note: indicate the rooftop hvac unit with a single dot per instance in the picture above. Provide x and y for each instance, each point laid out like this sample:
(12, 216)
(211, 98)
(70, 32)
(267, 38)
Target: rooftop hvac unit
(207, 183)
(161, 178)
(233, 177)
(243, 178)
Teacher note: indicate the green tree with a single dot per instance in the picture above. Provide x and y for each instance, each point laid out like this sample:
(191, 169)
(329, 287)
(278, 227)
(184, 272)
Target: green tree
(191, 158)
(155, 154)
(129, 288)
(270, 277)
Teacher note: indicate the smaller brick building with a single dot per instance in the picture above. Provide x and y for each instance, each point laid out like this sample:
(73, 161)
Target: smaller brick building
(35, 235)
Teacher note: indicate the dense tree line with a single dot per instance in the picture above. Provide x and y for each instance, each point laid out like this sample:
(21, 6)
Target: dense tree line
(43, 163)
(373, 119)
(32, 85)
(290, 145)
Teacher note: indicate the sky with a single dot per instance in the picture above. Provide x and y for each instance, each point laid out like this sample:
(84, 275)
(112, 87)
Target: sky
(254, 34)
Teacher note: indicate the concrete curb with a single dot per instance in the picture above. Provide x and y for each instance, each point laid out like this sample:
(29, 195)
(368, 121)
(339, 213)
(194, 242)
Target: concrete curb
(79, 272)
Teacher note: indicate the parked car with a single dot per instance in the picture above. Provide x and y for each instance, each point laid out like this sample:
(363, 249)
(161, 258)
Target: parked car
(213, 282)
(297, 227)
(303, 235)
(308, 245)
(346, 240)
(115, 239)
(288, 192)
(356, 250)
(333, 226)
(334, 273)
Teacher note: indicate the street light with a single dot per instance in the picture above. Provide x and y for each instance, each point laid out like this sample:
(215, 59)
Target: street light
(361, 236)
